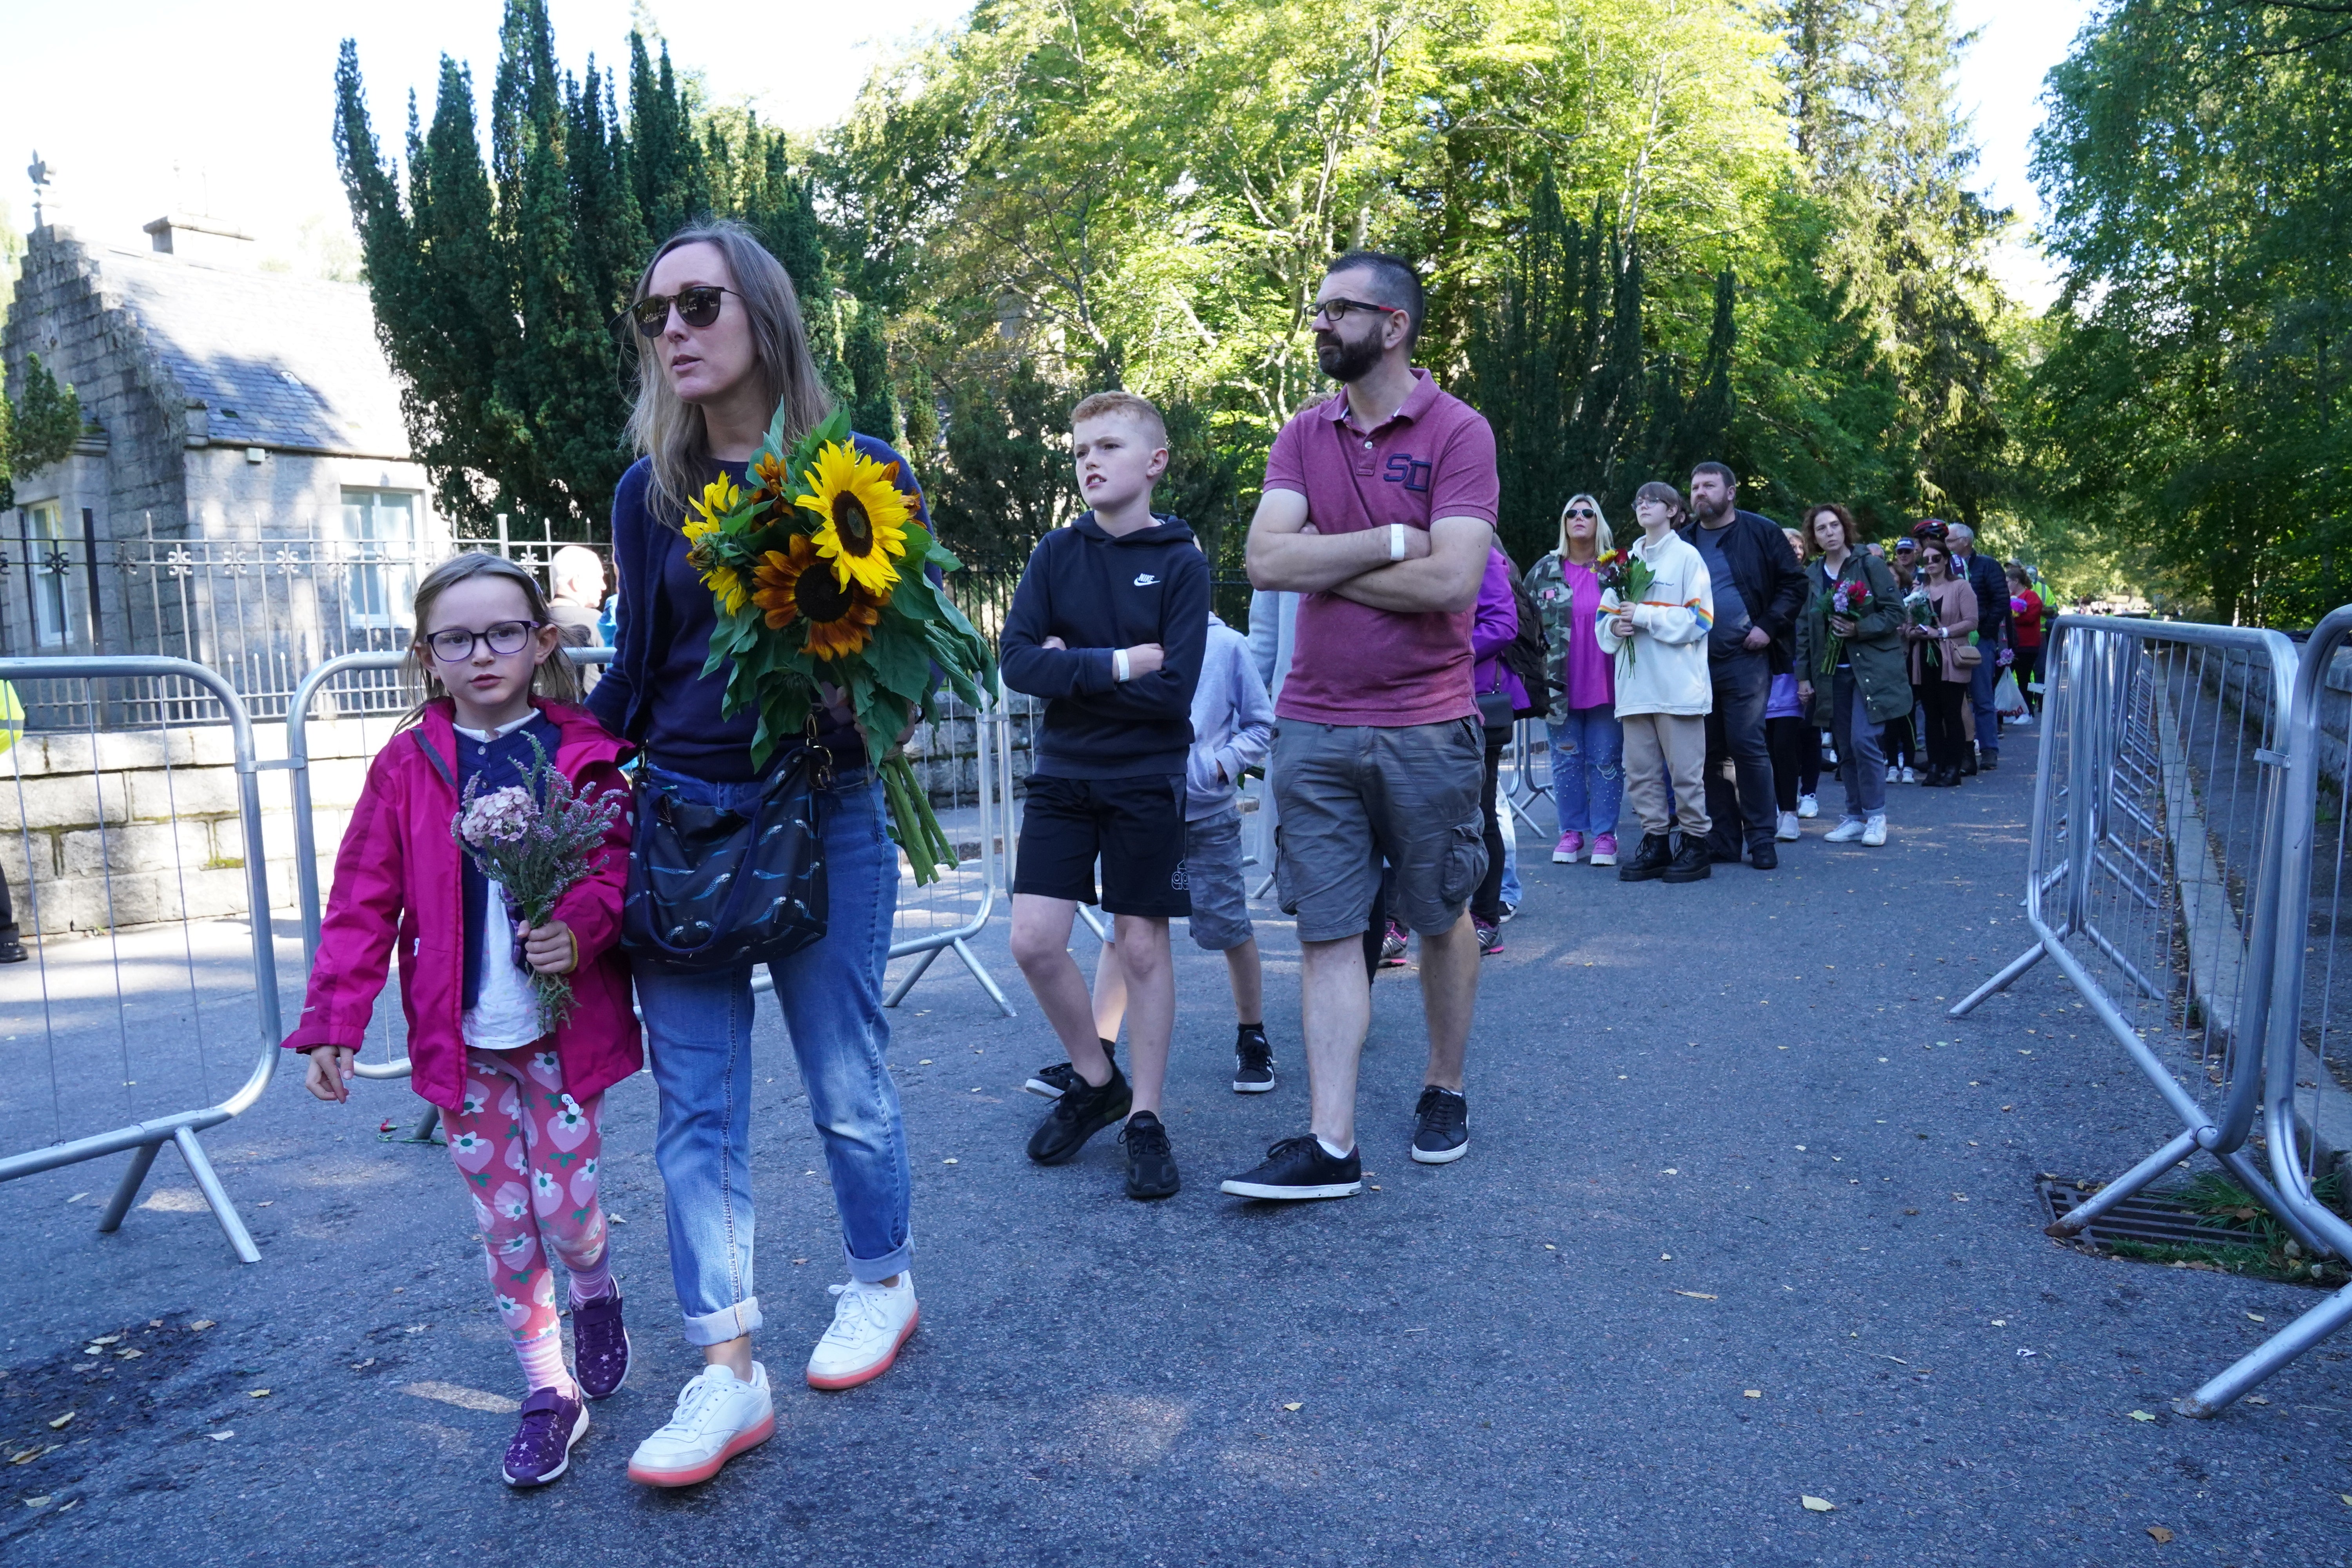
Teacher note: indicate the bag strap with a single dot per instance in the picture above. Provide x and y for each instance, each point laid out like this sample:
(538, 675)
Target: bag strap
(434, 756)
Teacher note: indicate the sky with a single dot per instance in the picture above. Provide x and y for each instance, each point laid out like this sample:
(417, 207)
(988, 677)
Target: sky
(230, 110)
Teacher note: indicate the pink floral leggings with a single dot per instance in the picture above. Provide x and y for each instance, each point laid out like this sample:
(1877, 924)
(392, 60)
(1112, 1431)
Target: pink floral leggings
(528, 1151)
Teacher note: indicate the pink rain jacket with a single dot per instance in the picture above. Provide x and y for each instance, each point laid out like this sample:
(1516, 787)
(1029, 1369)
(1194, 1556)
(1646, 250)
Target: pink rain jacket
(398, 882)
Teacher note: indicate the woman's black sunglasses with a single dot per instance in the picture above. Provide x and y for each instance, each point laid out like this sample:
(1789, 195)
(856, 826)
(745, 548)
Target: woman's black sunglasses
(1584, 511)
(696, 307)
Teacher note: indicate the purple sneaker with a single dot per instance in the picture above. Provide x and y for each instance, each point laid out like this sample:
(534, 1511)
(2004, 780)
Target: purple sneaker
(600, 1345)
(542, 1449)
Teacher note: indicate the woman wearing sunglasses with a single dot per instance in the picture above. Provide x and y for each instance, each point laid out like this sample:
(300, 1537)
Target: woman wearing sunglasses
(1943, 658)
(720, 347)
(1587, 745)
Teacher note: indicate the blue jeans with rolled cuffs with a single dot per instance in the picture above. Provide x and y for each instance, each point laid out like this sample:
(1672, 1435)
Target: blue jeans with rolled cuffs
(698, 1037)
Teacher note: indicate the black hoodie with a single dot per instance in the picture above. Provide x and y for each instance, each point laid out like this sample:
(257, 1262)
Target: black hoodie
(1097, 594)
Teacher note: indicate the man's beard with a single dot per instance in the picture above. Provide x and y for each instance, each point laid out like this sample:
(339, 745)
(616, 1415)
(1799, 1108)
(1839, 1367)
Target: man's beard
(1343, 361)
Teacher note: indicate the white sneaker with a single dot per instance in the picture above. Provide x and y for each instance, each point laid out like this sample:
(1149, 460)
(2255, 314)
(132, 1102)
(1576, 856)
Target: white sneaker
(1910, 777)
(1891, 771)
(1788, 832)
(869, 1323)
(1846, 832)
(1808, 807)
(1875, 834)
(718, 1416)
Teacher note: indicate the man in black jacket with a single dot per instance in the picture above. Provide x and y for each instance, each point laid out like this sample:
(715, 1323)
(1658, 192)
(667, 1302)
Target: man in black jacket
(1758, 591)
(1992, 583)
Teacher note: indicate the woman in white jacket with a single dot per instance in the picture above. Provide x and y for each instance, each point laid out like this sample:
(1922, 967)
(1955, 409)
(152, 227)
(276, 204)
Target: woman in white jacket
(1663, 694)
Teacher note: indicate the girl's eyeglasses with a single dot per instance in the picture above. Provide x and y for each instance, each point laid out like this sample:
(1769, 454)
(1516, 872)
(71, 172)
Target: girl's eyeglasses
(696, 307)
(452, 645)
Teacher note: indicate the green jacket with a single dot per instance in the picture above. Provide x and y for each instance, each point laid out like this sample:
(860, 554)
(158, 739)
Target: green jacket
(1558, 625)
(1876, 649)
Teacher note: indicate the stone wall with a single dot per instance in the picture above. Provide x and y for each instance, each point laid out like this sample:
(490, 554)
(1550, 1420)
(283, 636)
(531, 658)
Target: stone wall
(129, 827)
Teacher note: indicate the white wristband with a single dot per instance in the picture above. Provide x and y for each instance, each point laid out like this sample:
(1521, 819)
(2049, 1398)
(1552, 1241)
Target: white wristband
(1118, 664)
(1396, 542)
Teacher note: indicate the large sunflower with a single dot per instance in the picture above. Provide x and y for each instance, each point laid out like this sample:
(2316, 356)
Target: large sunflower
(719, 497)
(865, 516)
(840, 620)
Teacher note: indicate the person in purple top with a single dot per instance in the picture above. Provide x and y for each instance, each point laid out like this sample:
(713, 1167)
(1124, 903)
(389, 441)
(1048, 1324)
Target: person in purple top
(1379, 509)
(1494, 624)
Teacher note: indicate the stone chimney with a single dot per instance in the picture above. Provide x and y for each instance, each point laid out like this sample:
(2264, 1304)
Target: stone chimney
(205, 239)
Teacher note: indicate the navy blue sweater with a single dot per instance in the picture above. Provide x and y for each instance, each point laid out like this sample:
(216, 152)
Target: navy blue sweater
(1097, 594)
(654, 692)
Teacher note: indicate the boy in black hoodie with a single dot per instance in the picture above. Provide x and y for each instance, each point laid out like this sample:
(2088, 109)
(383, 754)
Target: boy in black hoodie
(1109, 626)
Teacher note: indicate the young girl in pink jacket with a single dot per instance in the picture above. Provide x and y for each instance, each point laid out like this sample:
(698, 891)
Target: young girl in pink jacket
(522, 1108)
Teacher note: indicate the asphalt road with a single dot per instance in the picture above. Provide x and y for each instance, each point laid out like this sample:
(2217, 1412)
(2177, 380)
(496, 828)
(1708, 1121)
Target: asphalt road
(1744, 1219)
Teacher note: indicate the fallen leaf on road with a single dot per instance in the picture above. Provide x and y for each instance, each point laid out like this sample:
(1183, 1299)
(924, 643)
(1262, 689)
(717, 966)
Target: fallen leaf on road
(130, 1352)
(1290, 1407)
(2141, 1415)
(614, 1219)
(2256, 1399)
(111, 1339)
(60, 1423)
(362, 1365)
(1817, 1504)
(1695, 1295)
(1897, 1360)
(1751, 1394)
(200, 1325)
(2158, 1533)
(37, 1502)
(946, 1162)
(2257, 1317)
(220, 1436)
(258, 1394)
(1549, 1247)
(924, 1063)
(2000, 1323)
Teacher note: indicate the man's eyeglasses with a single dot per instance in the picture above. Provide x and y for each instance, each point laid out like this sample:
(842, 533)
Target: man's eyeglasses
(1585, 513)
(452, 645)
(696, 307)
(1336, 310)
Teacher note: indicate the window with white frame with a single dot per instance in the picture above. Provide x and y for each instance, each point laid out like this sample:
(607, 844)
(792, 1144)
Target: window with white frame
(46, 563)
(380, 550)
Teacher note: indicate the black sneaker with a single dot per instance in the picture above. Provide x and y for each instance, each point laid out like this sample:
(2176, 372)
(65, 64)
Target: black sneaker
(1053, 1082)
(1150, 1164)
(1489, 935)
(1441, 1127)
(1509, 909)
(1764, 856)
(1989, 762)
(1650, 860)
(1298, 1168)
(1081, 1112)
(12, 949)
(1253, 1060)
(1692, 862)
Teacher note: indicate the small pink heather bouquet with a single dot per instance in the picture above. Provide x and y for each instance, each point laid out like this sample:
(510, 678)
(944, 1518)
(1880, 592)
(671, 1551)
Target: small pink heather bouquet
(536, 841)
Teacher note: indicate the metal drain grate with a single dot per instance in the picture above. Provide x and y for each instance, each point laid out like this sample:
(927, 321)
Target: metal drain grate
(2150, 1218)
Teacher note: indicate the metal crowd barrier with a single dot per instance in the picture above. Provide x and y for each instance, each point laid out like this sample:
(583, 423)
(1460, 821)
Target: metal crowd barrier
(90, 825)
(2303, 1021)
(2154, 873)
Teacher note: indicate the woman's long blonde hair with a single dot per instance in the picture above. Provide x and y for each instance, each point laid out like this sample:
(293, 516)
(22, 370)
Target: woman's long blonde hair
(557, 679)
(670, 431)
(1602, 540)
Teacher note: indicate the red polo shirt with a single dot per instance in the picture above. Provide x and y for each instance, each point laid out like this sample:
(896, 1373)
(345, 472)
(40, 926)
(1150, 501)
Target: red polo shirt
(1434, 458)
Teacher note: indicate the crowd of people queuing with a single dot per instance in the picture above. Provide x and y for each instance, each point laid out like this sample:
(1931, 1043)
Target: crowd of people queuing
(1392, 648)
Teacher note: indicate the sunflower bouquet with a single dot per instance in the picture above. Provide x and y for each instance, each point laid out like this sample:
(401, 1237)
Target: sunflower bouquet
(819, 572)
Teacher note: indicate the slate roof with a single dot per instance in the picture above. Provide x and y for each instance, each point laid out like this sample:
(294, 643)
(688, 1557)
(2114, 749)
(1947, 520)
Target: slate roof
(282, 361)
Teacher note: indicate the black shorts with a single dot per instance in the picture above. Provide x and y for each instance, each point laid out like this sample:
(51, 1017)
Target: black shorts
(1135, 824)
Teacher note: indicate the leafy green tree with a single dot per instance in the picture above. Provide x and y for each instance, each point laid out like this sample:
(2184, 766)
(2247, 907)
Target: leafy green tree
(2193, 407)
(37, 429)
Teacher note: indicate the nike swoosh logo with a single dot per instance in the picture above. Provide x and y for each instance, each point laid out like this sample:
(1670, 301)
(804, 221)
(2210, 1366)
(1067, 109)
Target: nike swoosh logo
(1145, 579)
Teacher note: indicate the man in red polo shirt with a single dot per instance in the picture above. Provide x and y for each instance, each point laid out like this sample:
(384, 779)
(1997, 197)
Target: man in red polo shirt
(1379, 510)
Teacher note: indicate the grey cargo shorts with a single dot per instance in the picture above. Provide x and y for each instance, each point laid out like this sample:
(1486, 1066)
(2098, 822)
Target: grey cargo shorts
(1352, 793)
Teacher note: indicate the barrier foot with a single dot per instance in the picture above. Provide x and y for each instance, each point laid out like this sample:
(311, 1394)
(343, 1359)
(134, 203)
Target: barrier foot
(2268, 1357)
(899, 991)
(2071, 1224)
(208, 1182)
(1262, 889)
(142, 1160)
(423, 1132)
(980, 972)
(2018, 966)
(2249, 1177)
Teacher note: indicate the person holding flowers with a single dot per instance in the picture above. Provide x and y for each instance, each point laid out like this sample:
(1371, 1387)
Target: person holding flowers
(1940, 631)
(727, 395)
(1850, 665)
(515, 1027)
(1588, 743)
(1656, 609)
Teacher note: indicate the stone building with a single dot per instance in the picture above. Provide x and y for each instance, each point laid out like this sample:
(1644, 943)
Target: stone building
(236, 417)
